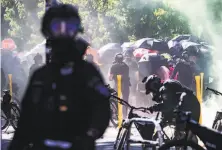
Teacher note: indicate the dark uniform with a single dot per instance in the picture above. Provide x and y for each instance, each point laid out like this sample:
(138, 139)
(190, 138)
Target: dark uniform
(133, 68)
(169, 94)
(121, 68)
(85, 96)
(38, 63)
(185, 73)
(66, 104)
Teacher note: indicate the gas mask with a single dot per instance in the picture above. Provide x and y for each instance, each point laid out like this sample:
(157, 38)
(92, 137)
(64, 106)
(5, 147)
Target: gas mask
(63, 43)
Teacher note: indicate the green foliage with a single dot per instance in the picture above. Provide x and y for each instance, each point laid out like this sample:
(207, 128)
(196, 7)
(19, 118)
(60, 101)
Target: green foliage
(104, 20)
(21, 22)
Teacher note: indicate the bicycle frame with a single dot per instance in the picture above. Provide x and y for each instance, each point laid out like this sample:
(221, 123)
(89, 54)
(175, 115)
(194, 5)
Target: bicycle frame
(128, 123)
(211, 138)
(219, 113)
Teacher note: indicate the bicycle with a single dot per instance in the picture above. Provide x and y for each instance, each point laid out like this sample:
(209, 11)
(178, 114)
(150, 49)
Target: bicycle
(113, 106)
(10, 111)
(145, 126)
(217, 123)
(210, 138)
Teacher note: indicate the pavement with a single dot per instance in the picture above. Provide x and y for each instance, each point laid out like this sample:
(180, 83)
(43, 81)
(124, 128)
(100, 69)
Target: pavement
(104, 143)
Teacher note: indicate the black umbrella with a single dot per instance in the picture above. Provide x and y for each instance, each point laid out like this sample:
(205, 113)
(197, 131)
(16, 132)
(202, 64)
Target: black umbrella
(149, 62)
(174, 43)
(127, 48)
(188, 44)
(142, 43)
(159, 45)
(188, 37)
(107, 52)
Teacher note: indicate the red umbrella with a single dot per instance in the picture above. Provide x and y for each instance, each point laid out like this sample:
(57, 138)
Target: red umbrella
(141, 51)
(8, 44)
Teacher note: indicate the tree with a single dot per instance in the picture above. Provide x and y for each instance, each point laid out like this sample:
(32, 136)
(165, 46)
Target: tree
(21, 21)
(104, 21)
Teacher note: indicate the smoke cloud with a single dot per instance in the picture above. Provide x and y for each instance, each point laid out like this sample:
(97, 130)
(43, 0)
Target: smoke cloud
(202, 22)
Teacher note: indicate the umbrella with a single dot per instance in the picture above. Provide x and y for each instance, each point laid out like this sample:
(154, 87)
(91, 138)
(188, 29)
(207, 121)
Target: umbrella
(142, 43)
(181, 37)
(107, 52)
(187, 44)
(149, 62)
(188, 37)
(127, 44)
(141, 51)
(158, 45)
(151, 57)
(127, 48)
(174, 43)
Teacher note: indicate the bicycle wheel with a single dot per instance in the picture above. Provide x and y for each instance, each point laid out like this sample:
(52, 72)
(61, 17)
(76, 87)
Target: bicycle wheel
(15, 114)
(114, 113)
(180, 145)
(121, 140)
(4, 120)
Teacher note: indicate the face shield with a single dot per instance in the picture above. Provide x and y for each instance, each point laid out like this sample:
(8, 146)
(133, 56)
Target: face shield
(64, 27)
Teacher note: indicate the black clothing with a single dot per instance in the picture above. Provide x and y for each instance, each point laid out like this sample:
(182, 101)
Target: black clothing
(185, 73)
(121, 69)
(33, 68)
(190, 103)
(133, 68)
(62, 105)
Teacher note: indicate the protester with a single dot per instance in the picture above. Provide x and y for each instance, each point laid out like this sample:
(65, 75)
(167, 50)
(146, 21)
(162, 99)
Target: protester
(168, 95)
(121, 68)
(133, 72)
(38, 62)
(184, 71)
(56, 114)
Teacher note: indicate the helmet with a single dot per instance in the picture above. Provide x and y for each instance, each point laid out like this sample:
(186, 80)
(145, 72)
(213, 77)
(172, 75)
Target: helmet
(38, 57)
(119, 57)
(60, 20)
(152, 83)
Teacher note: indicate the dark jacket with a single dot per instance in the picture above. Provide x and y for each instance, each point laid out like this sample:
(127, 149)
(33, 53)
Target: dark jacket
(190, 103)
(84, 94)
(123, 70)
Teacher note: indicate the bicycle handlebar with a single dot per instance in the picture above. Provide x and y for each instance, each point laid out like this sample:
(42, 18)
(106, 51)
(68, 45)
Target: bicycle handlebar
(123, 102)
(214, 91)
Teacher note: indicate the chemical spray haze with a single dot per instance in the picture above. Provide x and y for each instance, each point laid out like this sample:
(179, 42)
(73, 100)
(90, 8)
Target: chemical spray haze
(203, 22)
(16, 63)
(201, 19)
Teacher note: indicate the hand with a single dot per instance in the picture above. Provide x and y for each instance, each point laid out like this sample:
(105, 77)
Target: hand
(150, 109)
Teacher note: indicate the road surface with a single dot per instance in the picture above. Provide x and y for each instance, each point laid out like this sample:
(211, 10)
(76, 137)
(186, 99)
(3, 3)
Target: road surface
(106, 143)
